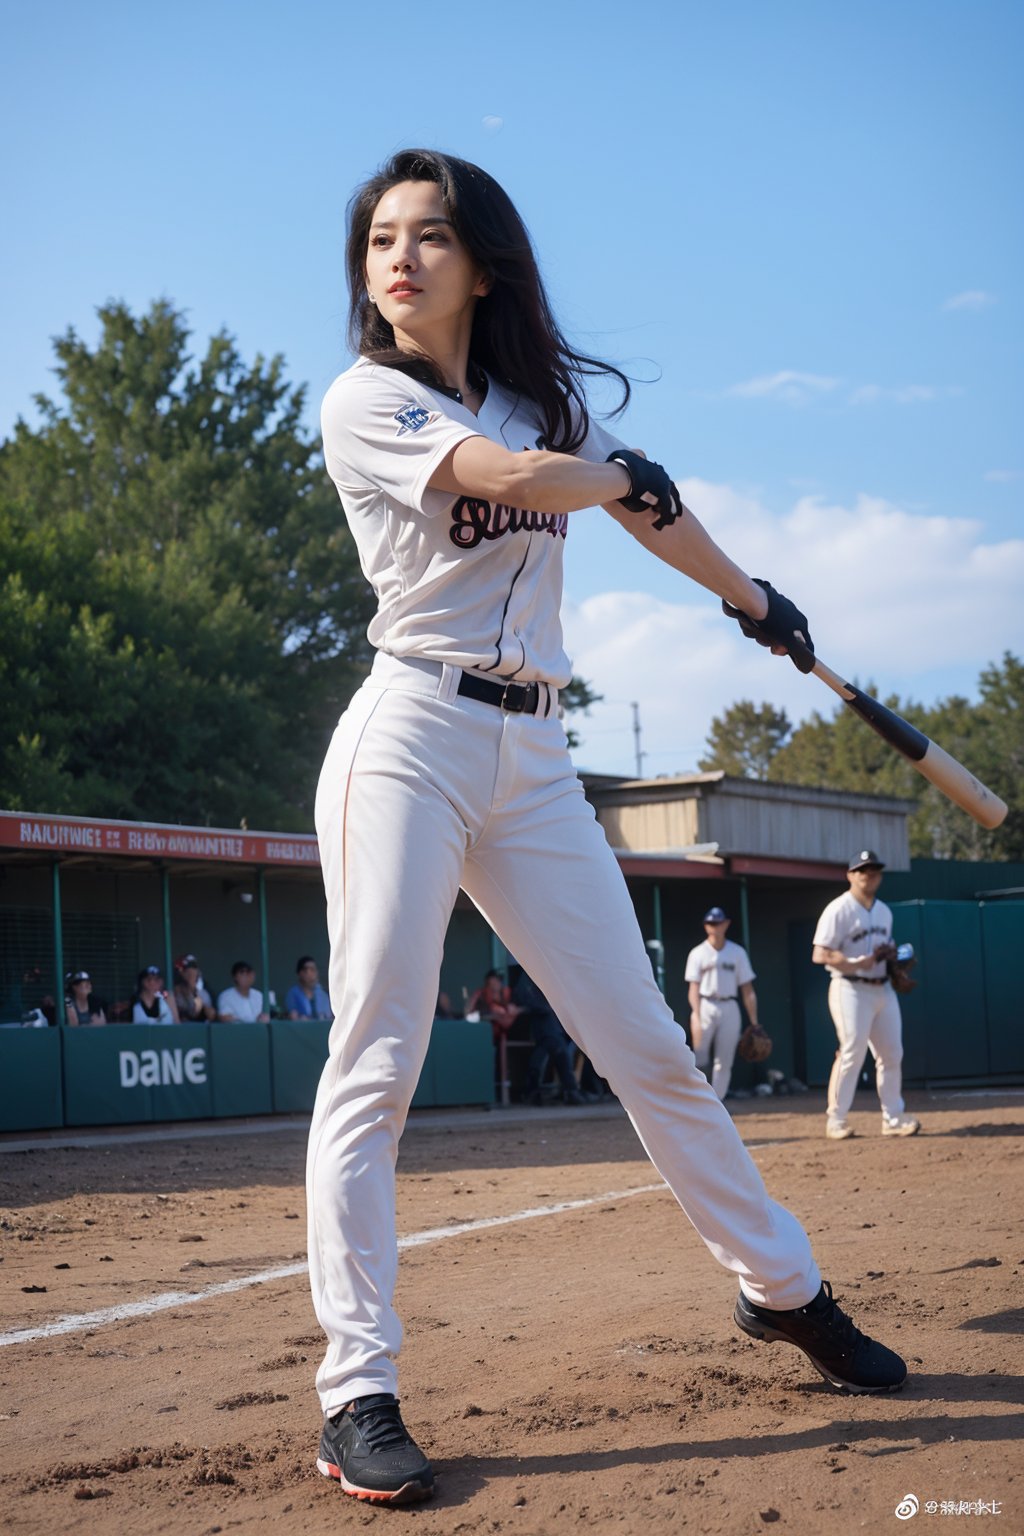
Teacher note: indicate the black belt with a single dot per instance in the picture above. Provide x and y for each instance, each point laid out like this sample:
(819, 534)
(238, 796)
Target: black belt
(867, 981)
(707, 998)
(514, 698)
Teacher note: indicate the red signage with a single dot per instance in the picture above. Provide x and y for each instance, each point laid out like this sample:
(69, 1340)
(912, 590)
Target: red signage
(144, 839)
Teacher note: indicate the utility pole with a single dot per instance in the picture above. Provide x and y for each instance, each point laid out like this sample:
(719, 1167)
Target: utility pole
(636, 740)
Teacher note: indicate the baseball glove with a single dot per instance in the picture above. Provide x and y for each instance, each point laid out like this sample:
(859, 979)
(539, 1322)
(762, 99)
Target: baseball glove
(899, 974)
(754, 1044)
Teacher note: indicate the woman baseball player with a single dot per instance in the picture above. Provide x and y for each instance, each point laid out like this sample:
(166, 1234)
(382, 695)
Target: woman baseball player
(461, 444)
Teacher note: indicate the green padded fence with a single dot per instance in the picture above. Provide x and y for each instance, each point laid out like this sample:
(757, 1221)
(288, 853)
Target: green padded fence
(127, 1074)
(298, 1051)
(30, 1080)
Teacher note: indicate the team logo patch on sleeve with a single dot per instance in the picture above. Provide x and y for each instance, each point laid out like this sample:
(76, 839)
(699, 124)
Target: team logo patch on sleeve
(410, 418)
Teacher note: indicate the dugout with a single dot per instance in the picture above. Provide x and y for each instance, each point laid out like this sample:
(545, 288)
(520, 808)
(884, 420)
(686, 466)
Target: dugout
(780, 853)
(113, 896)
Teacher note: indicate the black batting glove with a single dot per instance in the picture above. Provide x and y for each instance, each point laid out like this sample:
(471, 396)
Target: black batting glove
(783, 625)
(650, 488)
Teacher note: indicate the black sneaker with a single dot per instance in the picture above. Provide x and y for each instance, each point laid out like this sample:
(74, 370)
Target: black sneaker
(368, 1449)
(845, 1357)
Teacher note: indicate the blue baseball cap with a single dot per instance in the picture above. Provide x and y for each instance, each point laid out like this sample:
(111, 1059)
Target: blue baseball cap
(716, 915)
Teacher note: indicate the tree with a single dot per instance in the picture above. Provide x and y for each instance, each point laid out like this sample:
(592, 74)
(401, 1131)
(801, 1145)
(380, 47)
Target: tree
(577, 696)
(182, 614)
(744, 741)
(844, 753)
(987, 737)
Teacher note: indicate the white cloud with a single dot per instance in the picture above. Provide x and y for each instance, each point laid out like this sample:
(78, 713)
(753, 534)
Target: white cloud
(973, 298)
(790, 387)
(891, 595)
(906, 394)
(1002, 476)
(801, 388)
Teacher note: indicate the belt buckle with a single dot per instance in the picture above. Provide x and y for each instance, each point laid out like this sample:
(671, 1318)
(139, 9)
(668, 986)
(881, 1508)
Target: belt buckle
(515, 696)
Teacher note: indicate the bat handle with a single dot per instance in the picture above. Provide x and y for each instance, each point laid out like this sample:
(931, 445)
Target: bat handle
(804, 658)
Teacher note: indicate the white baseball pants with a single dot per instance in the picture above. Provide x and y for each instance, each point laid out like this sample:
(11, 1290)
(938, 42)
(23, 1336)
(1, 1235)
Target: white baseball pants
(719, 1036)
(423, 791)
(865, 1017)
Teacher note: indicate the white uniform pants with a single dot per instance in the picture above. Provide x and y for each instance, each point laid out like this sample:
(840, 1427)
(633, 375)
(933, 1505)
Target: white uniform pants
(865, 1017)
(421, 792)
(719, 1037)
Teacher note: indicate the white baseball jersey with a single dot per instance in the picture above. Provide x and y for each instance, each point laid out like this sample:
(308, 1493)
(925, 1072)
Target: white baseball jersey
(457, 579)
(854, 930)
(721, 972)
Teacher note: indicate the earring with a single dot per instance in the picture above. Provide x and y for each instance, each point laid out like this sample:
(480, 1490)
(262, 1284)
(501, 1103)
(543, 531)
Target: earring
(370, 296)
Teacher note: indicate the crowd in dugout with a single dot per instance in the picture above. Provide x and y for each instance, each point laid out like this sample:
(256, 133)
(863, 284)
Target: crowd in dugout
(190, 1001)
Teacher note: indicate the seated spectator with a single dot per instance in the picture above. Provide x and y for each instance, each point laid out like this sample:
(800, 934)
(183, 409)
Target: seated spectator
(592, 1087)
(493, 1001)
(550, 1043)
(81, 1005)
(242, 1003)
(195, 1005)
(152, 1003)
(307, 998)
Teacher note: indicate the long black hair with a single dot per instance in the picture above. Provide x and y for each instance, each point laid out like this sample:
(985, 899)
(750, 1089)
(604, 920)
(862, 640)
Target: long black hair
(515, 336)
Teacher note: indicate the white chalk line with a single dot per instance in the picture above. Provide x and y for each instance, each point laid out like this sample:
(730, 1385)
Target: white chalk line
(77, 1322)
(979, 1093)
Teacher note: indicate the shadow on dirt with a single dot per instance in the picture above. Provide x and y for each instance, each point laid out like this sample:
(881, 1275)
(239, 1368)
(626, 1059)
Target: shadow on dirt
(464, 1475)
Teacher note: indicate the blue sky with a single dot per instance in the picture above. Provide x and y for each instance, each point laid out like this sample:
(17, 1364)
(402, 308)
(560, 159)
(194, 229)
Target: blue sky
(803, 221)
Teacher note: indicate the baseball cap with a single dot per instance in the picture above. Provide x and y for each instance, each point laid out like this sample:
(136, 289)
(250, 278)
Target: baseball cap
(715, 915)
(865, 860)
(185, 961)
(73, 976)
(151, 970)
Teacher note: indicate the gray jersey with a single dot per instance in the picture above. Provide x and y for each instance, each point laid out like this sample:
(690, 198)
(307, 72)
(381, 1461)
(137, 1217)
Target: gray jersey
(458, 579)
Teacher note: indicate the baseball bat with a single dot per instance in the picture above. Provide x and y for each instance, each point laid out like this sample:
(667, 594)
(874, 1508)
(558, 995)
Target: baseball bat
(949, 776)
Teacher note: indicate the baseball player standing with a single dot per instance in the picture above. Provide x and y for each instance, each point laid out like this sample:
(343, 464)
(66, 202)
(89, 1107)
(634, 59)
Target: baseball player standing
(461, 444)
(852, 941)
(719, 973)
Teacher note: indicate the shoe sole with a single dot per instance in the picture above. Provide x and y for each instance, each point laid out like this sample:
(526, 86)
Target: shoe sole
(845, 1136)
(772, 1336)
(409, 1493)
(912, 1132)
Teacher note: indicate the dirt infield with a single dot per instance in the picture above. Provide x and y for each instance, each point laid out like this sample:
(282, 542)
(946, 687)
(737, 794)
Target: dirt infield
(574, 1370)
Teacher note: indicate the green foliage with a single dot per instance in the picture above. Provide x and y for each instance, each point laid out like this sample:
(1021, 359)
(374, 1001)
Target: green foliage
(844, 753)
(988, 738)
(577, 695)
(182, 615)
(841, 752)
(743, 741)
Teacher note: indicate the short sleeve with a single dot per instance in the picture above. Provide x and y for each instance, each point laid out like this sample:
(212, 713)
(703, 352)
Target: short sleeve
(693, 965)
(598, 444)
(744, 970)
(826, 935)
(381, 429)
